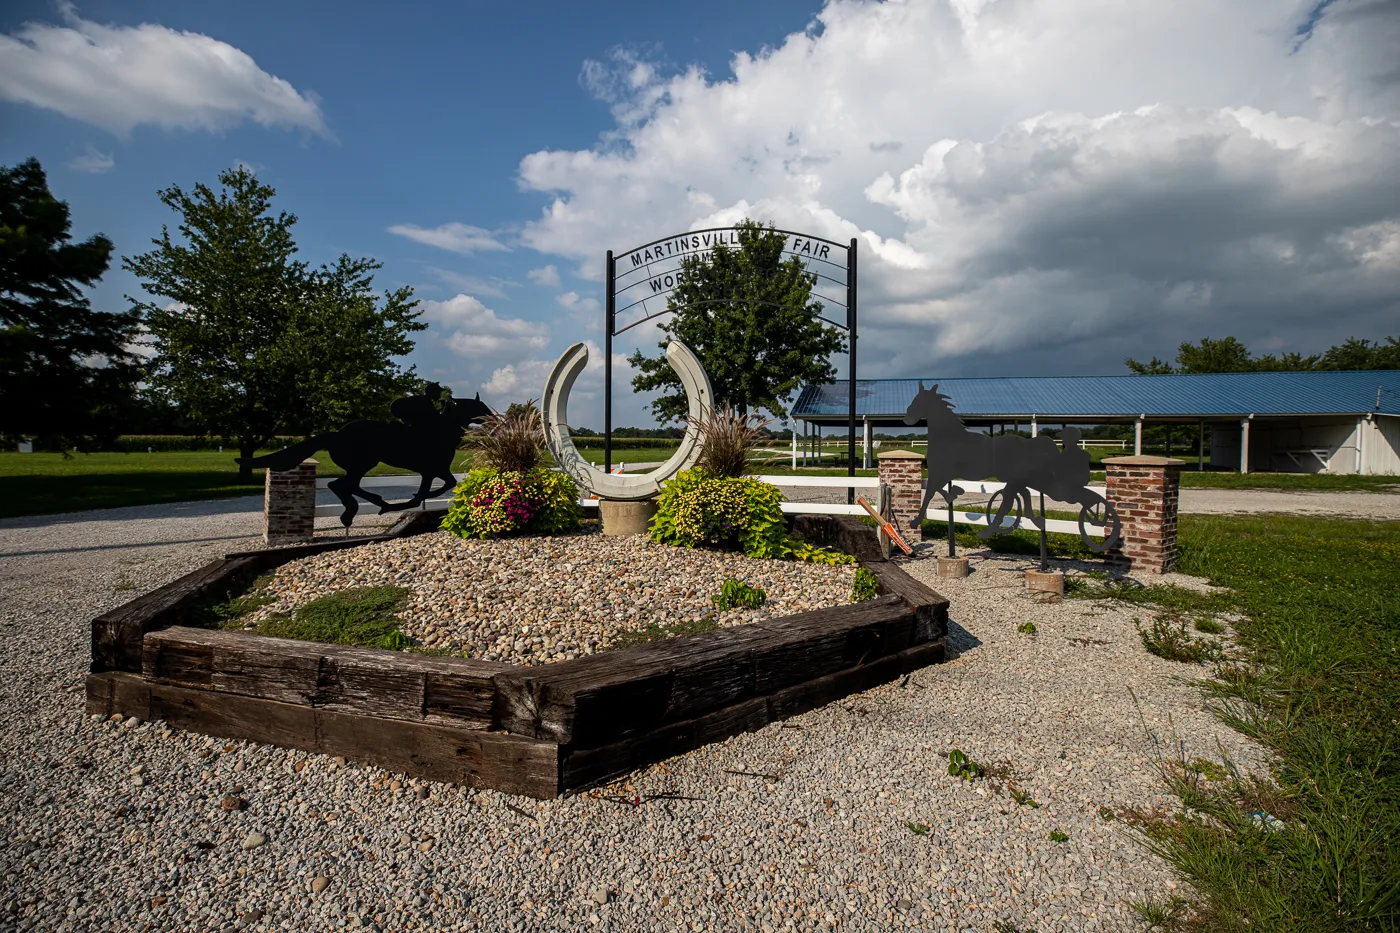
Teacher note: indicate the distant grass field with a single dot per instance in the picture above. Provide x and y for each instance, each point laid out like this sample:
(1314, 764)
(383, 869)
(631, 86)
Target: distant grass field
(44, 483)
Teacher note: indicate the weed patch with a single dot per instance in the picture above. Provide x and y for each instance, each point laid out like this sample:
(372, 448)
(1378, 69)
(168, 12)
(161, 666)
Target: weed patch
(1168, 638)
(662, 632)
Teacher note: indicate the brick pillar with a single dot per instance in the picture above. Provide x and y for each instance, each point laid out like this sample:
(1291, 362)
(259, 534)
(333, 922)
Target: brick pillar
(289, 505)
(1145, 491)
(903, 470)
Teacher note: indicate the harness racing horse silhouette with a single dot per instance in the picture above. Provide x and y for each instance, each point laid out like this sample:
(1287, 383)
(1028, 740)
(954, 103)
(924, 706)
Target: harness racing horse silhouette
(1021, 463)
(421, 439)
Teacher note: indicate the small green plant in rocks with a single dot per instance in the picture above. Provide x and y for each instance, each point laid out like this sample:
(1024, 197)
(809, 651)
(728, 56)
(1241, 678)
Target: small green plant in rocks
(865, 586)
(1168, 638)
(961, 766)
(1027, 628)
(1210, 626)
(736, 594)
(918, 829)
(1058, 836)
(1024, 798)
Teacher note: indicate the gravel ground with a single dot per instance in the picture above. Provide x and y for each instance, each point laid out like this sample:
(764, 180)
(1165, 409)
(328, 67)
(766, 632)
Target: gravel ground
(533, 600)
(128, 827)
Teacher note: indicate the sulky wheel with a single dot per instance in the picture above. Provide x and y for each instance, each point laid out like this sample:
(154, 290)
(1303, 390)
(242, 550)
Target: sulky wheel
(994, 507)
(1100, 512)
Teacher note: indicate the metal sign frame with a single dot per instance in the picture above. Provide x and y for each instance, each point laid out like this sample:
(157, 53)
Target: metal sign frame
(666, 251)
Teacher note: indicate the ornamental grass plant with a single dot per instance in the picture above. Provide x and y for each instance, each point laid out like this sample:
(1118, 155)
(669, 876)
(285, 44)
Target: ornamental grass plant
(510, 442)
(727, 437)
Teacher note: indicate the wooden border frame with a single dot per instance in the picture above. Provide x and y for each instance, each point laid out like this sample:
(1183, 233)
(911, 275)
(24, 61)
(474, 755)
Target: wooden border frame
(538, 731)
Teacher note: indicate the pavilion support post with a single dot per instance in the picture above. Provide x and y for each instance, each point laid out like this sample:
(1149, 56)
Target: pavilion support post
(1244, 445)
(1201, 449)
(1137, 438)
(1035, 427)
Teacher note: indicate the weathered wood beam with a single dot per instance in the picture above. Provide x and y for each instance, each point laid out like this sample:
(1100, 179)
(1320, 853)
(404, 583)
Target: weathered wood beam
(392, 684)
(459, 755)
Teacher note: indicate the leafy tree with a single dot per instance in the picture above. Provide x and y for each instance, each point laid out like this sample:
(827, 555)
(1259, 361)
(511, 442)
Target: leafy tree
(1362, 354)
(65, 369)
(750, 319)
(251, 343)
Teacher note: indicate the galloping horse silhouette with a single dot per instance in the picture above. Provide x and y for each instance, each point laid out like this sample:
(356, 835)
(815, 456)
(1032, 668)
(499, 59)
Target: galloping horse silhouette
(1019, 462)
(422, 439)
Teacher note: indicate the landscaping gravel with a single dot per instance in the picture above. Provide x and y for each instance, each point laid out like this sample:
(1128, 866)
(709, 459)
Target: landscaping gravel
(533, 600)
(801, 826)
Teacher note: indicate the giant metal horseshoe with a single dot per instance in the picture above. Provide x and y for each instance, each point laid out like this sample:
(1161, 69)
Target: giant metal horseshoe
(637, 486)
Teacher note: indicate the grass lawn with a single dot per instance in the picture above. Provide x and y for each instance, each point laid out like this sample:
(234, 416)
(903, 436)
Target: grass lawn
(44, 483)
(1319, 608)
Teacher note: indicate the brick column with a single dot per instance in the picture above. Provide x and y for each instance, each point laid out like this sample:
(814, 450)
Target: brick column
(904, 471)
(1145, 491)
(289, 505)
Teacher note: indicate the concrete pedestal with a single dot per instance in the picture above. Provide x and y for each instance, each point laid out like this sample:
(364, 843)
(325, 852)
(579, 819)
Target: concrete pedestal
(626, 518)
(952, 567)
(1050, 581)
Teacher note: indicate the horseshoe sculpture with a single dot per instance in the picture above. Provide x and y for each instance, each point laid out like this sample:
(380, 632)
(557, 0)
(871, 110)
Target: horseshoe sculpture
(637, 486)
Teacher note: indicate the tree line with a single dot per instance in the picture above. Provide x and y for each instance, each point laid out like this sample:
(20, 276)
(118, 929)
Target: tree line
(1228, 355)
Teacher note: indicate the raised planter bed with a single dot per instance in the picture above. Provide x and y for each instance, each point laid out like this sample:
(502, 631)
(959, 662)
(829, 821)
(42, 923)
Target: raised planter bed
(538, 731)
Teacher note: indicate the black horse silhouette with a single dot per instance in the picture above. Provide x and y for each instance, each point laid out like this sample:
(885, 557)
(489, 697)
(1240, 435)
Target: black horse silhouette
(1021, 463)
(421, 438)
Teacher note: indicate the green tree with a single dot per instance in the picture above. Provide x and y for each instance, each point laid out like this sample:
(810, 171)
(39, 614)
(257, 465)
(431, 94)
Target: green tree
(66, 370)
(251, 343)
(1362, 354)
(750, 319)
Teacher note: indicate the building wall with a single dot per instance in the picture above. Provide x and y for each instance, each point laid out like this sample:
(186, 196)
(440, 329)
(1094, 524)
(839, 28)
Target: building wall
(1286, 445)
(1383, 445)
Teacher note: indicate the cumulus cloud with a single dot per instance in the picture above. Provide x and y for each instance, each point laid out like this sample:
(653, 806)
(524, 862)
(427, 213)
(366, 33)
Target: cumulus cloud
(120, 77)
(574, 302)
(547, 276)
(454, 237)
(1052, 186)
(92, 162)
(472, 330)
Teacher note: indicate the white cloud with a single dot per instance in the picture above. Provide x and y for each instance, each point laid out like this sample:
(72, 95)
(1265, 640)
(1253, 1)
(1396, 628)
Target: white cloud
(92, 162)
(517, 381)
(120, 77)
(574, 302)
(548, 276)
(493, 286)
(474, 330)
(453, 237)
(1066, 184)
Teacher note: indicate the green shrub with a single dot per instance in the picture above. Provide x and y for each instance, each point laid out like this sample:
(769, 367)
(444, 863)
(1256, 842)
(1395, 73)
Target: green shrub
(866, 586)
(362, 615)
(697, 509)
(736, 594)
(489, 503)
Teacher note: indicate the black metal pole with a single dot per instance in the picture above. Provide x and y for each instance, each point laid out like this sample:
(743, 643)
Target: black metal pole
(611, 315)
(851, 334)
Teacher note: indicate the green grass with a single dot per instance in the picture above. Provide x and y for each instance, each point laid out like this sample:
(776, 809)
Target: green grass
(1022, 541)
(43, 483)
(1319, 605)
(363, 616)
(1315, 482)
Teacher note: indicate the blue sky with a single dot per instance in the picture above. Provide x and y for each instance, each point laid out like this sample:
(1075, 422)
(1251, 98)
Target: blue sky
(1038, 188)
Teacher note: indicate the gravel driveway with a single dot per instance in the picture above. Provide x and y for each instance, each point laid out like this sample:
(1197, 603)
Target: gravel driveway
(804, 825)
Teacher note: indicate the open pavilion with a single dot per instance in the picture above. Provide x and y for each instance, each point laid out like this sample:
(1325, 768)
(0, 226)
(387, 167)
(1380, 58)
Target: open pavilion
(1298, 422)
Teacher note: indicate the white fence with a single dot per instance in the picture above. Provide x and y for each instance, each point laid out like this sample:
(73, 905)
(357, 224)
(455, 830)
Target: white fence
(936, 511)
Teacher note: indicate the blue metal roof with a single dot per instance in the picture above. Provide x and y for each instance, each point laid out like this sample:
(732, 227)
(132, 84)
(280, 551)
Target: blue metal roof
(1211, 395)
